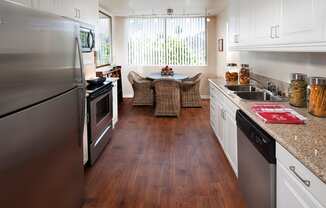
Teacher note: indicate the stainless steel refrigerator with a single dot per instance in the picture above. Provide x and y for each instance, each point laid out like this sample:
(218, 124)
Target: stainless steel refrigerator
(41, 110)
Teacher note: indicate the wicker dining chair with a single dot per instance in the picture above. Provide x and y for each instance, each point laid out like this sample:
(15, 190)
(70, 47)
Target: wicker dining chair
(167, 97)
(143, 91)
(190, 95)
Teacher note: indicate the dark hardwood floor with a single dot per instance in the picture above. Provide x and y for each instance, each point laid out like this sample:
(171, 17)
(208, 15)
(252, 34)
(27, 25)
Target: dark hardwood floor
(162, 163)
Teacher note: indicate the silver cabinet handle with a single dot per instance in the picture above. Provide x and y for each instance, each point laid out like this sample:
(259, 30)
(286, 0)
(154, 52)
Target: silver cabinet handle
(277, 30)
(236, 38)
(305, 182)
(272, 32)
(223, 114)
(76, 13)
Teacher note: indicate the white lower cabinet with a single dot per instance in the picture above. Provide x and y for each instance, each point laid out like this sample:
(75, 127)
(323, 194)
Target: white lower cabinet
(230, 140)
(296, 186)
(222, 118)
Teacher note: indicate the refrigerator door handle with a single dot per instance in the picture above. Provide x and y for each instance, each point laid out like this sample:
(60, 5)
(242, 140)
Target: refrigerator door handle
(81, 87)
(80, 56)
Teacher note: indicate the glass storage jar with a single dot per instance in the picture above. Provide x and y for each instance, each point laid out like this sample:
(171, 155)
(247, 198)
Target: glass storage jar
(244, 74)
(231, 74)
(317, 96)
(298, 90)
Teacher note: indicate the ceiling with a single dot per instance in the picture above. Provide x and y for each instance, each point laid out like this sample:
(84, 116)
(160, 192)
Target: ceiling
(159, 7)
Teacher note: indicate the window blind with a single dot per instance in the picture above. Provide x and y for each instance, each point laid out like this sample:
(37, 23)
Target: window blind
(167, 41)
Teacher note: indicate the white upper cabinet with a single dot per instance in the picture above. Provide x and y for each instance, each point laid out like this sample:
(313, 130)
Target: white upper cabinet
(59, 7)
(279, 25)
(302, 21)
(266, 20)
(233, 26)
(85, 11)
(245, 21)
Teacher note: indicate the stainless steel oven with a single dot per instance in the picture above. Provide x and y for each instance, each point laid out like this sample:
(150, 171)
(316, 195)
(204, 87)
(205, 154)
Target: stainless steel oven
(99, 120)
(87, 39)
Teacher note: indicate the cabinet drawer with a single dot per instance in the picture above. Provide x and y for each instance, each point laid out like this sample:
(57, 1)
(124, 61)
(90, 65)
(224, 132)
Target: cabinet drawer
(301, 174)
(291, 193)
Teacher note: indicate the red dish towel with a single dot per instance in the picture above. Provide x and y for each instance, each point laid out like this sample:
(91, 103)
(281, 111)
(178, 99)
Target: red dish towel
(277, 114)
(280, 118)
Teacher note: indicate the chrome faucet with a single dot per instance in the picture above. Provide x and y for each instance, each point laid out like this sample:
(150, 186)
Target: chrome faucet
(272, 88)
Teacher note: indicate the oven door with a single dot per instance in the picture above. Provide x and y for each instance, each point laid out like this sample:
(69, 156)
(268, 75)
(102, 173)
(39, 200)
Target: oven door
(100, 114)
(100, 124)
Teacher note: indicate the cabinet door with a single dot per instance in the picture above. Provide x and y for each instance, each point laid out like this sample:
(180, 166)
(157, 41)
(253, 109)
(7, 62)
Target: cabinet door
(216, 119)
(266, 18)
(58, 7)
(87, 11)
(63, 8)
(290, 193)
(245, 18)
(230, 140)
(233, 27)
(219, 124)
(302, 21)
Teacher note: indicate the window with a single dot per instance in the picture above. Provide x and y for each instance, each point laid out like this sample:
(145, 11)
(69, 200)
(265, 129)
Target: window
(104, 40)
(167, 41)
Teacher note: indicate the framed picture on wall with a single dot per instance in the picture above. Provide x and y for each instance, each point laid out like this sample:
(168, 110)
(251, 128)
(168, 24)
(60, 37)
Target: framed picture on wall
(220, 45)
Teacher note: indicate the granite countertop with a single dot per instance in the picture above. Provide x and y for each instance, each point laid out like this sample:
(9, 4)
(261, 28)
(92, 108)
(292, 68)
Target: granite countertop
(305, 142)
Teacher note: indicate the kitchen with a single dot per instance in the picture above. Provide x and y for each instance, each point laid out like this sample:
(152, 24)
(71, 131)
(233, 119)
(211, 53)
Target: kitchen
(78, 131)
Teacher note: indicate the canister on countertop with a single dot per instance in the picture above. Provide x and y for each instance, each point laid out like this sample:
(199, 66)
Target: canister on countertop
(244, 74)
(298, 90)
(231, 74)
(317, 97)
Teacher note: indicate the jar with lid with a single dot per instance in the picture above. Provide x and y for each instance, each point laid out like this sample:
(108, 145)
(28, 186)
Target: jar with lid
(298, 90)
(244, 74)
(317, 96)
(231, 74)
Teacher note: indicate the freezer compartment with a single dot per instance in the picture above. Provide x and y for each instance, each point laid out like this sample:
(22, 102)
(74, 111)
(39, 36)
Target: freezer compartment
(38, 57)
(41, 155)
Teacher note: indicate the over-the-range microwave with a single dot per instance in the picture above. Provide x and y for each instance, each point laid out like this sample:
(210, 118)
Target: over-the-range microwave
(87, 39)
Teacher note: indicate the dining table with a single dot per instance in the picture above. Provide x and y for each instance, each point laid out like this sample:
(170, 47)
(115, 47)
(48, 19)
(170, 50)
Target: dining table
(158, 75)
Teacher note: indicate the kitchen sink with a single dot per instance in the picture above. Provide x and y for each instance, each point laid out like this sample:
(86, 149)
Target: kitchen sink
(241, 88)
(260, 96)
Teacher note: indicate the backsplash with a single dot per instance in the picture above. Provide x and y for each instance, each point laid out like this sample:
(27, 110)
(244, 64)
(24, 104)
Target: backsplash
(263, 80)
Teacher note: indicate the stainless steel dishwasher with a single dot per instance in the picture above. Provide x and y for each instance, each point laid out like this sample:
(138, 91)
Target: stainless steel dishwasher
(256, 163)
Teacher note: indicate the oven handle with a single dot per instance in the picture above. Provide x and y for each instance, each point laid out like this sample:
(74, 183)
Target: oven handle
(82, 90)
(101, 96)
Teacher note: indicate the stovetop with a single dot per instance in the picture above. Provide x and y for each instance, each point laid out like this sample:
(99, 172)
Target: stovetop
(90, 89)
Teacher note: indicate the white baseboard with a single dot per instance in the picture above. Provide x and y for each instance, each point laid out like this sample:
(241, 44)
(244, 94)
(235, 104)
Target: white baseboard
(127, 96)
(202, 96)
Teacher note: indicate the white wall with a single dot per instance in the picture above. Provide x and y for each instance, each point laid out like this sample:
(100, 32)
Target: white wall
(277, 65)
(120, 34)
